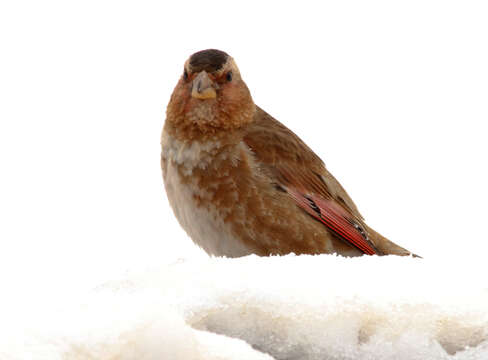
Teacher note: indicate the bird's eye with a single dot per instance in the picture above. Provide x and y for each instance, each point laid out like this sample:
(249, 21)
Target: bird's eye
(229, 76)
(185, 75)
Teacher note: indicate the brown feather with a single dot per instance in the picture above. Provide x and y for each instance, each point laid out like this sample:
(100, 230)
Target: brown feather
(239, 181)
(291, 160)
(294, 166)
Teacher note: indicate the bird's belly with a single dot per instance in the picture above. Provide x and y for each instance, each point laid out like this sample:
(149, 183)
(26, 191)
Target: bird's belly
(201, 222)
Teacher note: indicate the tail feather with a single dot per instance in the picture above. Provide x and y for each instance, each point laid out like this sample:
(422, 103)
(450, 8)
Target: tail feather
(387, 247)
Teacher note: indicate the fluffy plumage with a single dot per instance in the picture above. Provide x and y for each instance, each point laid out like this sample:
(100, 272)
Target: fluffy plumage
(240, 182)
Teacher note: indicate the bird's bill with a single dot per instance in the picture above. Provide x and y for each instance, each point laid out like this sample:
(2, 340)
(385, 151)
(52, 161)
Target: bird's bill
(203, 87)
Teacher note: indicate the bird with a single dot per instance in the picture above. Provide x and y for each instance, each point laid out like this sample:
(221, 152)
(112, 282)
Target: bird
(240, 182)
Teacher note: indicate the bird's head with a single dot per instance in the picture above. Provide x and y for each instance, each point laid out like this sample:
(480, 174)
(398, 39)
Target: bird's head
(210, 96)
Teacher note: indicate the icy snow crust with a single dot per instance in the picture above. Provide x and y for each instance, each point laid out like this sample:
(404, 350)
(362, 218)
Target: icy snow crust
(292, 307)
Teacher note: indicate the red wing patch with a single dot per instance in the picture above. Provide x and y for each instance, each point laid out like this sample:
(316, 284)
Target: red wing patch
(335, 218)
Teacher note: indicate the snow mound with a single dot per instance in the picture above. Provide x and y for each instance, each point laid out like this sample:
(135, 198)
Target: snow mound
(292, 307)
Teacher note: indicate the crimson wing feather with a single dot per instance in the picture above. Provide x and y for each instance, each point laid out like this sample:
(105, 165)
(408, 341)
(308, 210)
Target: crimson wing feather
(292, 165)
(335, 218)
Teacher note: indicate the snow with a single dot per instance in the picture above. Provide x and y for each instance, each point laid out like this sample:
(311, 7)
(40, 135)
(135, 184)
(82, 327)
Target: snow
(292, 307)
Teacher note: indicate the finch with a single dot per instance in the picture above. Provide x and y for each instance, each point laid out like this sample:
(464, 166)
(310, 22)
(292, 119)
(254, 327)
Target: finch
(241, 183)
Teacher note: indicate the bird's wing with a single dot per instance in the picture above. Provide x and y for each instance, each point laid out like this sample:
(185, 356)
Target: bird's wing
(293, 167)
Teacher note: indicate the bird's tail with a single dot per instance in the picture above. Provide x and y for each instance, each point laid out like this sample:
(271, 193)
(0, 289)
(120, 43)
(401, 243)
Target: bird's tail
(387, 247)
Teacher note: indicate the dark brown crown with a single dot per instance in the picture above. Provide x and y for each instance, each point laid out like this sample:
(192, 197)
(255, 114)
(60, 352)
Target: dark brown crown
(209, 60)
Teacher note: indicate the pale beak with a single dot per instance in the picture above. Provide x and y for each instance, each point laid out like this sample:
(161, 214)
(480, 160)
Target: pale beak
(203, 87)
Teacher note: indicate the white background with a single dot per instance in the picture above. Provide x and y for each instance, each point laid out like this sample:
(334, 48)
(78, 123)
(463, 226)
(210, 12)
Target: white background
(391, 95)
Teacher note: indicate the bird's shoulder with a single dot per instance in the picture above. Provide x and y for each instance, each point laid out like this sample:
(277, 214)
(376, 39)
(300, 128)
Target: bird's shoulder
(275, 144)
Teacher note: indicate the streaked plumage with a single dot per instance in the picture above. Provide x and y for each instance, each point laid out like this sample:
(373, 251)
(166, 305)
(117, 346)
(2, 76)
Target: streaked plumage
(240, 182)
